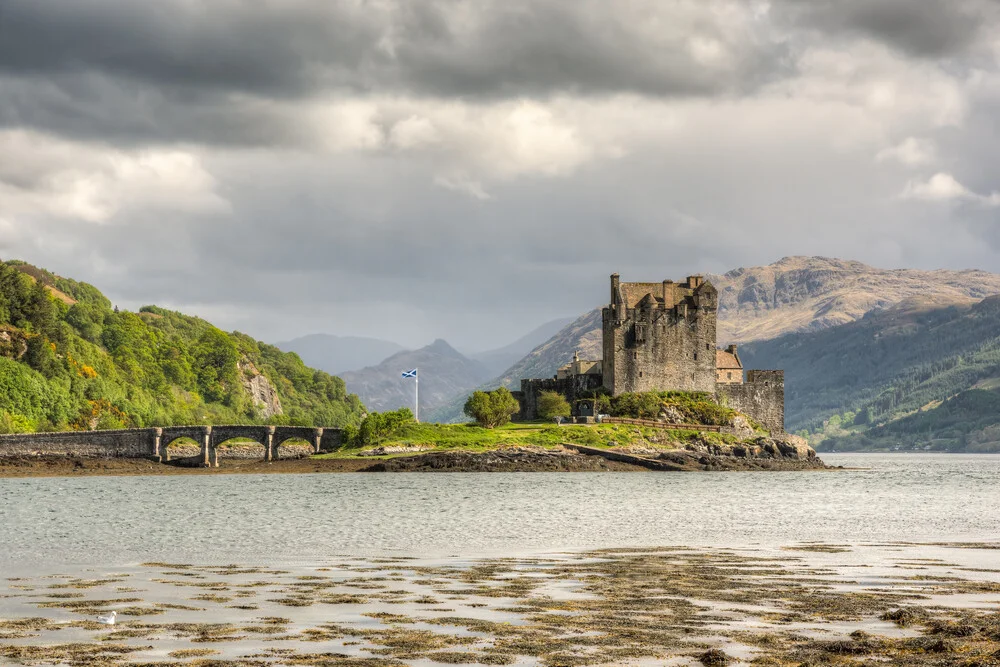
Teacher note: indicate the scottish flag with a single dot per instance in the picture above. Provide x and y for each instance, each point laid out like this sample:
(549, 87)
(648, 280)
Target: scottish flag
(410, 374)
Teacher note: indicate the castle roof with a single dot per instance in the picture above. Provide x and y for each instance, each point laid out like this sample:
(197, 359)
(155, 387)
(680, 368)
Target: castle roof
(726, 360)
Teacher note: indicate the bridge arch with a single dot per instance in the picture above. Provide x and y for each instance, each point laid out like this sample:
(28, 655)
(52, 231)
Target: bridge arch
(200, 434)
(312, 436)
(258, 434)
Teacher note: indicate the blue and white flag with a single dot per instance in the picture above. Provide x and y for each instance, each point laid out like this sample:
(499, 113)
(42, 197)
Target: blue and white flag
(410, 374)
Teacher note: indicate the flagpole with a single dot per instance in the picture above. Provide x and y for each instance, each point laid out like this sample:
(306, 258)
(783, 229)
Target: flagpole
(416, 396)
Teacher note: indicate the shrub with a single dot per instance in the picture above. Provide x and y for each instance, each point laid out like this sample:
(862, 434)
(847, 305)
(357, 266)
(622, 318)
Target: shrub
(696, 407)
(378, 426)
(491, 408)
(552, 404)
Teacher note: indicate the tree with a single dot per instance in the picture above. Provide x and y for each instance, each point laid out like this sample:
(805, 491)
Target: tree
(552, 404)
(491, 408)
(378, 426)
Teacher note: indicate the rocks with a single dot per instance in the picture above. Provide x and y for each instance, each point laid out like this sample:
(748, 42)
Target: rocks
(262, 392)
(672, 415)
(714, 658)
(395, 449)
(740, 427)
(510, 460)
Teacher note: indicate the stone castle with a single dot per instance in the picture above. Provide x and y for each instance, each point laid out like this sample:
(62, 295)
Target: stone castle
(660, 337)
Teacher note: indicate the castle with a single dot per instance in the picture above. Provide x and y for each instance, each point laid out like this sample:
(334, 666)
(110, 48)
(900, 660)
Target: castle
(658, 337)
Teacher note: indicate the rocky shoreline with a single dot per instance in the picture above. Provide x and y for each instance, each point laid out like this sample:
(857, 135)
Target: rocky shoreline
(784, 453)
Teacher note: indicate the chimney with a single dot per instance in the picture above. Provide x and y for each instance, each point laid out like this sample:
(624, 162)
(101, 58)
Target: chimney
(615, 280)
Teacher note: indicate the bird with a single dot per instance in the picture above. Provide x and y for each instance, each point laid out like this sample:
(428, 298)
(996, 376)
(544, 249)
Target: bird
(108, 619)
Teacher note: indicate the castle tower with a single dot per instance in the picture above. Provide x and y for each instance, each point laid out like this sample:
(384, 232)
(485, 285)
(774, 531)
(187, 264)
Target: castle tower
(660, 336)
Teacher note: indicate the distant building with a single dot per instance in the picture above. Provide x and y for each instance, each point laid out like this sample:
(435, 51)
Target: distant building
(661, 337)
(728, 367)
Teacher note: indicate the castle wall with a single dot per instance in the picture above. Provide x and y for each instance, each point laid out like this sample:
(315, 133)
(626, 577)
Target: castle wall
(761, 397)
(572, 389)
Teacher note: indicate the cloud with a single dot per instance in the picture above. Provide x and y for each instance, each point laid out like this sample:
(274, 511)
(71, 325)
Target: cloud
(924, 29)
(42, 176)
(943, 187)
(911, 152)
(423, 168)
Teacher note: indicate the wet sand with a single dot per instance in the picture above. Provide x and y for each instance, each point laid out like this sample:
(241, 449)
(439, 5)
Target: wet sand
(807, 604)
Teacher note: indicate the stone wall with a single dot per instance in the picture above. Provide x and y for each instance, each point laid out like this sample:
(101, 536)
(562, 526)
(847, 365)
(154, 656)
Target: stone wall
(762, 397)
(131, 443)
(572, 388)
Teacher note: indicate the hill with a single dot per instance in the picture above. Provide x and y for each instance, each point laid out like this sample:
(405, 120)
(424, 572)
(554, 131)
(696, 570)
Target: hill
(69, 361)
(444, 372)
(499, 360)
(916, 375)
(339, 354)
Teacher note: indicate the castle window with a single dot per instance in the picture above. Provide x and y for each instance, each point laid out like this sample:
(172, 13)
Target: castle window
(640, 373)
(707, 347)
(696, 356)
(729, 376)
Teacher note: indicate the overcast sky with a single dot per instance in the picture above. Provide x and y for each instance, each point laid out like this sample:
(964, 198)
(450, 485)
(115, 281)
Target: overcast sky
(468, 169)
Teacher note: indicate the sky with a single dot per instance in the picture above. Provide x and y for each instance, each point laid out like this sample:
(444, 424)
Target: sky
(469, 169)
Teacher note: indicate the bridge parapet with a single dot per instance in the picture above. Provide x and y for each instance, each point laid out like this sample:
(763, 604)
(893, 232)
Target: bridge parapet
(154, 442)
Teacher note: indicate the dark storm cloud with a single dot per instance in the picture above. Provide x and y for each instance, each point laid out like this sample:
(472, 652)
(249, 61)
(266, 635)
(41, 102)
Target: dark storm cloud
(923, 28)
(423, 47)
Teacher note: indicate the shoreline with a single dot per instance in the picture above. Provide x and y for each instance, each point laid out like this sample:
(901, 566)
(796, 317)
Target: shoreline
(436, 461)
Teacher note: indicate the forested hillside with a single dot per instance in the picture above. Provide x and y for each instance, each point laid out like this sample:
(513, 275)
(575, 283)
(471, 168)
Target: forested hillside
(68, 360)
(914, 376)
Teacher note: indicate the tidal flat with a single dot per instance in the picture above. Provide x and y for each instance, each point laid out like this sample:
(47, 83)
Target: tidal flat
(808, 603)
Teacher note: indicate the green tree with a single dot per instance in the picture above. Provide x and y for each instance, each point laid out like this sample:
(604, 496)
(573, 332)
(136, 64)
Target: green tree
(378, 426)
(491, 408)
(552, 404)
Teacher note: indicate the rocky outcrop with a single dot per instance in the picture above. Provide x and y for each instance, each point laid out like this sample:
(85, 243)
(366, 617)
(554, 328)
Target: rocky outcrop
(505, 460)
(262, 392)
(13, 342)
(784, 452)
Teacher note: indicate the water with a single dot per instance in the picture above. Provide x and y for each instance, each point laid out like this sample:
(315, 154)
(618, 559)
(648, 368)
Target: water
(288, 519)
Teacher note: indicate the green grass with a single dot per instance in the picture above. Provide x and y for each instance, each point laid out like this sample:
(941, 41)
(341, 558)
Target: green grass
(473, 438)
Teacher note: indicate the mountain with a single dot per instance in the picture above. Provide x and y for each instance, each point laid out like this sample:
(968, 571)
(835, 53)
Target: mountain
(499, 360)
(918, 374)
(811, 293)
(794, 294)
(443, 373)
(69, 361)
(339, 354)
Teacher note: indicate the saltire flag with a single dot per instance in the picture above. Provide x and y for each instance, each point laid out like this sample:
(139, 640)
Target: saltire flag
(410, 374)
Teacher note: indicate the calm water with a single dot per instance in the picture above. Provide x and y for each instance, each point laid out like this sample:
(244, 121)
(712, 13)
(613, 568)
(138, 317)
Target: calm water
(267, 519)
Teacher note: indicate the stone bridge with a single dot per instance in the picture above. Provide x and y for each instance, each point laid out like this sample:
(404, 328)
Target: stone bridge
(153, 442)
